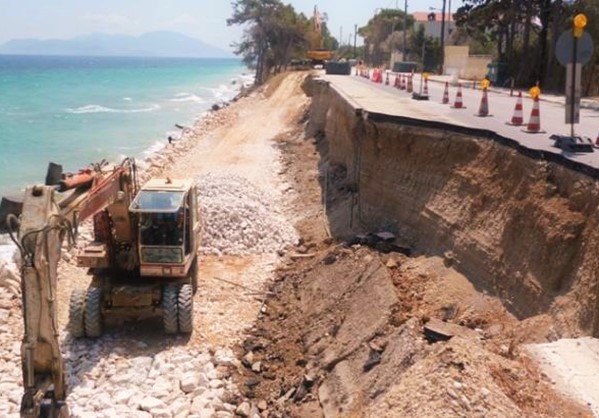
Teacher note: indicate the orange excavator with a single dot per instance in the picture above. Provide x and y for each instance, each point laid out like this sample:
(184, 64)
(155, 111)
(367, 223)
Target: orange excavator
(317, 53)
(143, 258)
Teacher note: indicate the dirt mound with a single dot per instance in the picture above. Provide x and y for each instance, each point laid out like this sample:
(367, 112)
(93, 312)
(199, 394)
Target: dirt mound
(347, 328)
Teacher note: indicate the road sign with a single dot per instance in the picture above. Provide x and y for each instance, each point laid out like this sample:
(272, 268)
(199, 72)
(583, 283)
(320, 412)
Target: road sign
(564, 48)
(573, 93)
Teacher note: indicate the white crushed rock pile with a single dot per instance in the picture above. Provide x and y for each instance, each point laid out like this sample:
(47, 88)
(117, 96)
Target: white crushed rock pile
(118, 376)
(106, 380)
(9, 275)
(11, 325)
(241, 218)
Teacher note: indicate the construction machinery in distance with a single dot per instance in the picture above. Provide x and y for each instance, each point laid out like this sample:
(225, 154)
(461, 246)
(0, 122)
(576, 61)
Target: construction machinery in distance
(317, 53)
(143, 257)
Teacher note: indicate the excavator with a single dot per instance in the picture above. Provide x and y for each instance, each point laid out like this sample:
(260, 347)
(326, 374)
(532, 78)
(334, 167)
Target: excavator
(317, 53)
(143, 258)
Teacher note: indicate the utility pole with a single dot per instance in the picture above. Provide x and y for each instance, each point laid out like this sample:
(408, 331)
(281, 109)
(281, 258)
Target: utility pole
(442, 37)
(405, 27)
(340, 36)
(355, 40)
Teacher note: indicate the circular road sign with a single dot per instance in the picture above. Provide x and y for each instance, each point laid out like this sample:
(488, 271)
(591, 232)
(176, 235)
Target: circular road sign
(565, 48)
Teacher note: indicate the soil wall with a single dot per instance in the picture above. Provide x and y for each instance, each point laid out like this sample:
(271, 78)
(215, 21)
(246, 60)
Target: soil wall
(520, 224)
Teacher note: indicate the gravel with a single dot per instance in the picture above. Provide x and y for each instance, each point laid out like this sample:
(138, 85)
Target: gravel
(240, 218)
(120, 376)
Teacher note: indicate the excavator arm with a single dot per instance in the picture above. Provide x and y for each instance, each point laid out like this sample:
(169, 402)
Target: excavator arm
(41, 232)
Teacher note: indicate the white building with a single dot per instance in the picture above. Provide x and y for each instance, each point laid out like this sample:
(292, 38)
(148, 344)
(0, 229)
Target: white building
(432, 23)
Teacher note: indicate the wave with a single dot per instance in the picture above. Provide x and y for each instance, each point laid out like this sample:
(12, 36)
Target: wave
(127, 99)
(187, 97)
(102, 109)
(247, 79)
(222, 92)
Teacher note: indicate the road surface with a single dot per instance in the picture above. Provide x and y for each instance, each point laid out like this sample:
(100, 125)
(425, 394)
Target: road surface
(379, 98)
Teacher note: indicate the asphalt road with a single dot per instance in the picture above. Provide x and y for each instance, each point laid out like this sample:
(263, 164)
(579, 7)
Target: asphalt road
(379, 98)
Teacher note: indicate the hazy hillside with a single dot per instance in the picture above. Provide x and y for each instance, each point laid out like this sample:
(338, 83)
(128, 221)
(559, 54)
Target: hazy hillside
(152, 44)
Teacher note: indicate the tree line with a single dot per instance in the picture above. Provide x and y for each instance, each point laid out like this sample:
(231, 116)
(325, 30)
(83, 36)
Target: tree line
(523, 33)
(520, 34)
(274, 34)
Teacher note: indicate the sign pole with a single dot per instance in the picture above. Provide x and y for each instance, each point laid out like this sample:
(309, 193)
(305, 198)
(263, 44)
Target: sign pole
(574, 48)
(573, 91)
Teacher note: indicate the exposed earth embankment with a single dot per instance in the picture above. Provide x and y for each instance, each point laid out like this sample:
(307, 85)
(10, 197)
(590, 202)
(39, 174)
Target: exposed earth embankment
(523, 229)
(503, 255)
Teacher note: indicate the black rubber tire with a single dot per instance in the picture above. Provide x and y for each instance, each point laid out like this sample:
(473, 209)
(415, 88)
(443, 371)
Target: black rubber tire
(76, 306)
(185, 309)
(169, 308)
(193, 275)
(92, 317)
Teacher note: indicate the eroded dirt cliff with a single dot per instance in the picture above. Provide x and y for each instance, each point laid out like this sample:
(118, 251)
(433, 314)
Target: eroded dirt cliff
(520, 228)
(502, 255)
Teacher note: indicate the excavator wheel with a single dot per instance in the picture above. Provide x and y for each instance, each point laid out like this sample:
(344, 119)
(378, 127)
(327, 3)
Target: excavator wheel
(93, 313)
(170, 294)
(185, 304)
(76, 306)
(193, 275)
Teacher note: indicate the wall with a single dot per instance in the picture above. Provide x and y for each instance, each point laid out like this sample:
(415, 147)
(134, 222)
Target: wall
(469, 67)
(476, 68)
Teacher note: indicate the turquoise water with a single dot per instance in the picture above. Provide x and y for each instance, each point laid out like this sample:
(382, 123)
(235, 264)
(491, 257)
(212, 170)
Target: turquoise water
(79, 110)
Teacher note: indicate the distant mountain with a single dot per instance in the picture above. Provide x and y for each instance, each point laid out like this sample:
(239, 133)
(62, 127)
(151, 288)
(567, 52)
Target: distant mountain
(152, 44)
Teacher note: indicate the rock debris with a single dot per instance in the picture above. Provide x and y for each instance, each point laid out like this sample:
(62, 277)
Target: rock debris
(240, 218)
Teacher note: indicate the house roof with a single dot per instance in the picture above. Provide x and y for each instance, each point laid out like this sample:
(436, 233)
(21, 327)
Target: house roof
(423, 16)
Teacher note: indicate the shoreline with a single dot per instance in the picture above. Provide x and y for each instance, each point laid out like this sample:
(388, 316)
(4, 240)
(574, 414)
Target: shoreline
(156, 161)
(87, 127)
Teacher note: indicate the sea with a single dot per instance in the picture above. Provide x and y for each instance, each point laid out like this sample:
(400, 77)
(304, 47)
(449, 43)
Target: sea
(75, 111)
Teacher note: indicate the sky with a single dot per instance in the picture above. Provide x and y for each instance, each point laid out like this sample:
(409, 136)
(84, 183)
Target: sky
(202, 19)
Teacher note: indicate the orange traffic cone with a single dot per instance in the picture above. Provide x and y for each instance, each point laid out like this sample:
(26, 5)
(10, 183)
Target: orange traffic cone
(518, 118)
(446, 94)
(458, 104)
(410, 84)
(534, 123)
(425, 91)
(402, 84)
(396, 83)
(483, 109)
(380, 77)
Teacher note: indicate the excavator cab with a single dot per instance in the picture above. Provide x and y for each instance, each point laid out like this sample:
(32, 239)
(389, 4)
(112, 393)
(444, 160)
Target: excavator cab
(168, 226)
